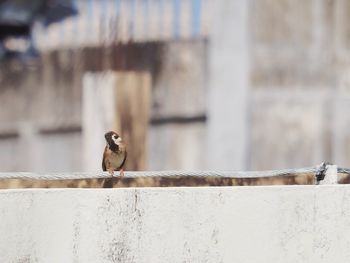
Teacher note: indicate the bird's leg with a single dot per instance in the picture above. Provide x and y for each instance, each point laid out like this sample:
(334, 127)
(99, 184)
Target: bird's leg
(121, 172)
(111, 172)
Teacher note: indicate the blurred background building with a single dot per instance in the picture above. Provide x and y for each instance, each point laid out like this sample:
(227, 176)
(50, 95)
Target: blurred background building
(190, 84)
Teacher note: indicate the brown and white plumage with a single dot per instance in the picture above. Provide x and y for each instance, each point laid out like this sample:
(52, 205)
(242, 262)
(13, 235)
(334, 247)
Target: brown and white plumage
(114, 155)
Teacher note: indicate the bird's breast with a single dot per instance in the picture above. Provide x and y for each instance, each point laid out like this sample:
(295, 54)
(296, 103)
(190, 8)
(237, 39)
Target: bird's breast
(116, 159)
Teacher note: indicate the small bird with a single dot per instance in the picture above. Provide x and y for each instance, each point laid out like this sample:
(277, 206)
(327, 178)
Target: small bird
(114, 155)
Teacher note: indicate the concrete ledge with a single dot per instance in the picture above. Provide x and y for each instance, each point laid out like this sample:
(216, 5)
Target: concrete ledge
(216, 224)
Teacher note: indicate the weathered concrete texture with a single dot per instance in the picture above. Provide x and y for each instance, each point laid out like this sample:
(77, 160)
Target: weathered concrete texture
(57, 152)
(49, 152)
(293, 43)
(98, 115)
(180, 82)
(177, 145)
(343, 28)
(289, 129)
(49, 101)
(300, 62)
(48, 94)
(282, 22)
(179, 92)
(233, 224)
(41, 105)
(8, 148)
(133, 103)
(341, 125)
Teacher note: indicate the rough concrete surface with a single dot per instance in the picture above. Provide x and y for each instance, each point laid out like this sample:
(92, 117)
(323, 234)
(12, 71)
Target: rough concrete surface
(215, 224)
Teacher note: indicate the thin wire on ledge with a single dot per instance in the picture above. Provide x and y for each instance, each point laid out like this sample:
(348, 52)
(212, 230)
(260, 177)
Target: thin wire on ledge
(344, 170)
(140, 174)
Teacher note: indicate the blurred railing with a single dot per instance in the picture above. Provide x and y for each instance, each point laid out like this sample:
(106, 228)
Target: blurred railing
(103, 22)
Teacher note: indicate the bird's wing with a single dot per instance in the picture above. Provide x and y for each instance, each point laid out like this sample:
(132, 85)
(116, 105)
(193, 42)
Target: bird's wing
(121, 166)
(104, 168)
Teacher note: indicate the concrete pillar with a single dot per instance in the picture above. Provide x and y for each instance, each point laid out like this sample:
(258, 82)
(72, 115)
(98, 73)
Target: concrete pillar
(228, 90)
(98, 116)
(117, 101)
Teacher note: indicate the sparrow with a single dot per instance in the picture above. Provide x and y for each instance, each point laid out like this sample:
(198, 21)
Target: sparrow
(114, 155)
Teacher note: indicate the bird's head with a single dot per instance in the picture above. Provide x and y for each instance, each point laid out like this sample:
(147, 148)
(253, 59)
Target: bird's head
(114, 141)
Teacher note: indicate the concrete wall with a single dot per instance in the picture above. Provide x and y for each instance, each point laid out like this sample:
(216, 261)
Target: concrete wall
(299, 99)
(279, 84)
(268, 88)
(41, 113)
(225, 224)
(46, 109)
